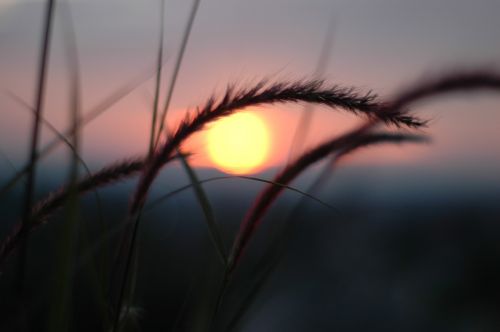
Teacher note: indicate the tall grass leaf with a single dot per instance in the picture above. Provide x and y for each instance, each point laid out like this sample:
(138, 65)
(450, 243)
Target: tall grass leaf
(127, 289)
(35, 135)
(61, 309)
(137, 214)
(177, 66)
(159, 67)
(213, 227)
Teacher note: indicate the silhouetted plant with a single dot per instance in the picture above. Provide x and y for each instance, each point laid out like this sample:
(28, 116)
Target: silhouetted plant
(374, 111)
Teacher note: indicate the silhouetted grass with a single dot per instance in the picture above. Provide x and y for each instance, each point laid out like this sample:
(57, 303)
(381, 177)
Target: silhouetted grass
(130, 234)
(61, 310)
(359, 137)
(119, 310)
(312, 91)
(35, 135)
(159, 67)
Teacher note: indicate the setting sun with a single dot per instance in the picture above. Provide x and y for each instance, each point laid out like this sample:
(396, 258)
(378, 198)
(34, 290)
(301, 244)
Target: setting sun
(238, 144)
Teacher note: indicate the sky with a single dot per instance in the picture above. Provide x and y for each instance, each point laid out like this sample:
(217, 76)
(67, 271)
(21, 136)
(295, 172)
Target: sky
(378, 45)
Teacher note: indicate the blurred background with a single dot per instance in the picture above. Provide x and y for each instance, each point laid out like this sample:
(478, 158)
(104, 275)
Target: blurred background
(413, 241)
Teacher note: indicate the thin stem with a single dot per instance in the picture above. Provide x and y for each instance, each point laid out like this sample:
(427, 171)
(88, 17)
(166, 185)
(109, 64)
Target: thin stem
(137, 214)
(177, 67)
(35, 136)
(158, 78)
(123, 284)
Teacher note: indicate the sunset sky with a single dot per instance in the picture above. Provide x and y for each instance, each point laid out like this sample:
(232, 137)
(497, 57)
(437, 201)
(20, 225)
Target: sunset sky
(378, 45)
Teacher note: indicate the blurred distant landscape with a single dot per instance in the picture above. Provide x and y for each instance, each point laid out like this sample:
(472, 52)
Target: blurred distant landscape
(404, 250)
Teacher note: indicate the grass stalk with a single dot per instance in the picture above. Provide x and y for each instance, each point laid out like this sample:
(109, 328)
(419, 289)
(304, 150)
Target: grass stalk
(132, 251)
(61, 313)
(156, 101)
(177, 67)
(213, 227)
(35, 135)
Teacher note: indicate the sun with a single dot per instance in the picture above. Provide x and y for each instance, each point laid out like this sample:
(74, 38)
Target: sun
(238, 144)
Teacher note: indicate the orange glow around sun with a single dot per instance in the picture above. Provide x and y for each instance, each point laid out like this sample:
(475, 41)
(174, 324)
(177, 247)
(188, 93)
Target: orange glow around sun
(238, 144)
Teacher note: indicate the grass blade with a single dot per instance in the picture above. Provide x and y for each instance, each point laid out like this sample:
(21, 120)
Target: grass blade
(164, 197)
(158, 78)
(177, 67)
(213, 227)
(35, 135)
(61, 311)
(131, 262)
